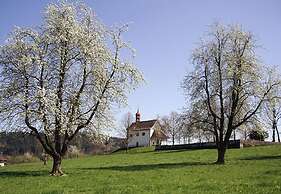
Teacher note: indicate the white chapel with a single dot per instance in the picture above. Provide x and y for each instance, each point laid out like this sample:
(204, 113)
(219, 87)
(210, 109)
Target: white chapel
(145, 133)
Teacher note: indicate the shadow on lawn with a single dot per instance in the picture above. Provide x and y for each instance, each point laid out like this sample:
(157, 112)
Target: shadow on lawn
(23, 173)
(171, 151)
(141, 167)
(262, 158)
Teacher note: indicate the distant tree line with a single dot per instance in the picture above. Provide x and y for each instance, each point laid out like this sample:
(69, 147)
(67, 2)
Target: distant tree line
(183, 131)
(19, 143)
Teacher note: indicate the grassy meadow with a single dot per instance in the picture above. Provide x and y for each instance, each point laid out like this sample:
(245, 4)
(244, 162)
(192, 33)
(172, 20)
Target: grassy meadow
(248, 170)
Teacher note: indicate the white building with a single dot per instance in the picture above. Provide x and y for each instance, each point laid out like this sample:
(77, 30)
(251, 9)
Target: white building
(145, 133)
(3, 161)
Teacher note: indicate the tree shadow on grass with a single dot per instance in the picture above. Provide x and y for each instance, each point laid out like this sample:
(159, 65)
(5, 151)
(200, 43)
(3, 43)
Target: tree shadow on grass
(23, 173)
(278, 157)
(173, 151)
(142, 167)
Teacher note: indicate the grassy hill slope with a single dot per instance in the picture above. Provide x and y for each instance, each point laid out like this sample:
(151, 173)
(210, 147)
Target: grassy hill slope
(248, 170)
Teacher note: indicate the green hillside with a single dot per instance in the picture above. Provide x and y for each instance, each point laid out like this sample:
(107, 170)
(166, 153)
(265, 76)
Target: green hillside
(248, 170)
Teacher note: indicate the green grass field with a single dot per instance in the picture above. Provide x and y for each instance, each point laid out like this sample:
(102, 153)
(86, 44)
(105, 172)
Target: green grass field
(248, 170)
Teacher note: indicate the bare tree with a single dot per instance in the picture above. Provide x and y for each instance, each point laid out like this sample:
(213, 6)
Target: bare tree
(272, 109)
(253, 124)
(186, 130)
(64, 77)
(199, 122)
(170, 124)
(126, 122)
(228, 80)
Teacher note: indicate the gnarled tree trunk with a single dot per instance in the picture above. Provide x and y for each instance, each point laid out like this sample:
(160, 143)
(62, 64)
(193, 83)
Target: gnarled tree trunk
(56, 170)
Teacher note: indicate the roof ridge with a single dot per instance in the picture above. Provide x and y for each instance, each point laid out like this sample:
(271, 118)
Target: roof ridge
(142, 124)
(146, 120)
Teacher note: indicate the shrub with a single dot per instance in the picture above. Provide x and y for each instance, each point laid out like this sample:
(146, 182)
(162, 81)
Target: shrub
(258, 135)
(73, 152)
(26, 157)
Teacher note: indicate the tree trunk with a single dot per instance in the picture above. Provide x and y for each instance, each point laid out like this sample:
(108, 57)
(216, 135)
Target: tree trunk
(127, 136)
(56, 170)
(221, 153)
(184, 140)
(127, 144)
(45, 160)
(276, 128)
(273, 134)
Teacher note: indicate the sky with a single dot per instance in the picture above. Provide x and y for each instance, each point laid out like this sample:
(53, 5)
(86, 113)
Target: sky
(164, 33)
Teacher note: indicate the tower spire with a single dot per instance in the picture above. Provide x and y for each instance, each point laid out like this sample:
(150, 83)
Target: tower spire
(138, 115)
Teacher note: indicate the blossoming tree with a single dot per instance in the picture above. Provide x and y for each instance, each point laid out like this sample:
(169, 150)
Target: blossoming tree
(228, 85)
(64, 76)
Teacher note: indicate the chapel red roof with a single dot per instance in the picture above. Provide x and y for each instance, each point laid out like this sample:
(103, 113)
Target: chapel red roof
(142, 125)
(2, 158)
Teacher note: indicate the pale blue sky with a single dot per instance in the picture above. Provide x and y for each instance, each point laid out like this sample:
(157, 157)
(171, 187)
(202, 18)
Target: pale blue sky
(164, 32)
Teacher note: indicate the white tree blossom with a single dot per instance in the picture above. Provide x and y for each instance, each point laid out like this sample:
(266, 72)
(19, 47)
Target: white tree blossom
(271, 113)
(227, 82)
(64, 76)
